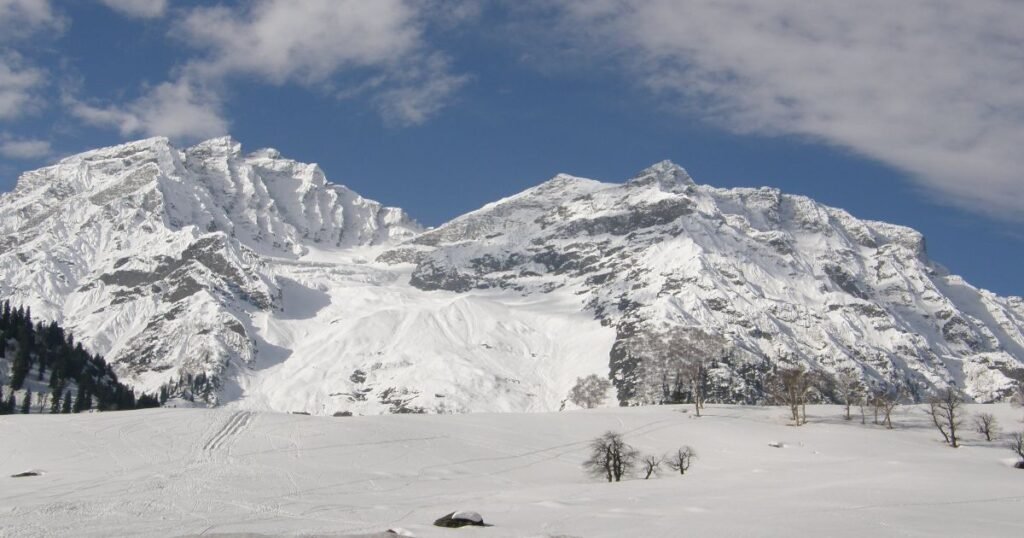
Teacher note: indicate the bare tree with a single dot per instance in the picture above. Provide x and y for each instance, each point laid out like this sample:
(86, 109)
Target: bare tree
(791, 387)
(610, 457)
(849, 390)
(946, 409)
(863, 404)
(986, 424)
(695, 374)
(681, 459)
(1017, 399)
(589, 391)
(42, 400)
(886, 402)
(1017, 446)
(698, 348)
(651, 465)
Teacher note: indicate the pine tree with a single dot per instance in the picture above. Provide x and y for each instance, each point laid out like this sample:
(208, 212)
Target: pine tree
(55, 402)
(26, 404)
(11, 404)
(80, 399)
(20, 367)
(65, 407)
(6, 318)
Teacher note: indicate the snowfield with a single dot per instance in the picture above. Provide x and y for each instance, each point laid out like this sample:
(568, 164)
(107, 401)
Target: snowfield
(182, 472)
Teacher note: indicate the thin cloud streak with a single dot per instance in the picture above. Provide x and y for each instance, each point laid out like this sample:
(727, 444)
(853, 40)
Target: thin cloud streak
(141, 9)
(24, 148)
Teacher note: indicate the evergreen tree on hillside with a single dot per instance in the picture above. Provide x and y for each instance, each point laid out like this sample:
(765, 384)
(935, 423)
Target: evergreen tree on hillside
(80, 400)
(11, 404)
(19, 369)
(65, 407)
(55, 402)
(27, 343)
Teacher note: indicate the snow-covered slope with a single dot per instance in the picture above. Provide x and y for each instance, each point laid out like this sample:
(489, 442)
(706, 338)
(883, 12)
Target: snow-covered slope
(226, 472)
(288, 292)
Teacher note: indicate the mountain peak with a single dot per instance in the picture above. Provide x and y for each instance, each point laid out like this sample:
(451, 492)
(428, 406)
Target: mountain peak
(666, 175)
(225, 145)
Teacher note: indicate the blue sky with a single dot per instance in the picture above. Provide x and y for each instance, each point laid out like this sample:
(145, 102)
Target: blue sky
(912, 114)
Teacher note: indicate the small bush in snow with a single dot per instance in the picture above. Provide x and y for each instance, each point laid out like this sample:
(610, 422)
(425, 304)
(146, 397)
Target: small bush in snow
(1017, 446)
(681, 460)
(651, 465)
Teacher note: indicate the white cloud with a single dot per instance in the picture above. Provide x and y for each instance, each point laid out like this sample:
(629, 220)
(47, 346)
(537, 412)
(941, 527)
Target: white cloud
(178, 110)
(373, 49)
(142, 9)
(24, 148)
(931, 87)
(314, 42)
(21, 18)
(20, 81)
(18, 86)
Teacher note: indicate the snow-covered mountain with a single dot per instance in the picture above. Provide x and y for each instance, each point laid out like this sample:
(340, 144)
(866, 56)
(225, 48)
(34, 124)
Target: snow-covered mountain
(295, 294)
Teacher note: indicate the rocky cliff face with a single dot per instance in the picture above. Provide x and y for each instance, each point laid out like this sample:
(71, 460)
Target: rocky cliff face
(786, 280)
(288, 292)
(155, 257)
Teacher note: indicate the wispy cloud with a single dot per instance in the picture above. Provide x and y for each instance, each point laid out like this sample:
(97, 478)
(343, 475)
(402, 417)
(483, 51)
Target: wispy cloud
(933, 88)
(21, 80)
(18, 86)
(378, 47)
(22, 18)
(142, 9)
(176, 109)
(13, 148)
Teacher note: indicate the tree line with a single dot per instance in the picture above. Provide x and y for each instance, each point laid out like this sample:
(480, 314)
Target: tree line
(76, 379)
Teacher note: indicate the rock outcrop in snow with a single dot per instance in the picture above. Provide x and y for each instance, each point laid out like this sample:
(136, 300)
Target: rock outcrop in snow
(292, 293)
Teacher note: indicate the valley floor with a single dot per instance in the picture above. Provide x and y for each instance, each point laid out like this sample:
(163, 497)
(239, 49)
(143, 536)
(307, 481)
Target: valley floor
(180, 472)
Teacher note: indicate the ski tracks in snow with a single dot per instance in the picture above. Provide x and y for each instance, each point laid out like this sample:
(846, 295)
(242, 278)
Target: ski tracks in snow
(229, 431)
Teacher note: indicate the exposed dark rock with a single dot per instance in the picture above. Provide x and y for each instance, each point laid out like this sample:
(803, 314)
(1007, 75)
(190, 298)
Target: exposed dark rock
(456, 520)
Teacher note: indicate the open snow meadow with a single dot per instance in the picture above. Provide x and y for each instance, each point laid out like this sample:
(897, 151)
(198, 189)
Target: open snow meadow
(226, 471)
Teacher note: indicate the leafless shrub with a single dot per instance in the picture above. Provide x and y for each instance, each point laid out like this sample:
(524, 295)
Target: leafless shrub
(986, 424)
(681, 459)
(1017, 446)
(651, 465)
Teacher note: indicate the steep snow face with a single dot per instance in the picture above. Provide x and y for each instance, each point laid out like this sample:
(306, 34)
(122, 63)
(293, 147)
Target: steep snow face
(287, 292)
(786, 280)
(155, 256)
